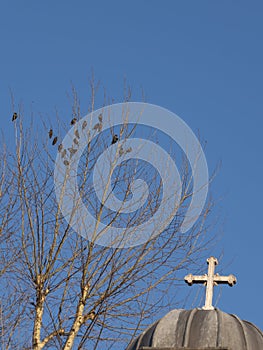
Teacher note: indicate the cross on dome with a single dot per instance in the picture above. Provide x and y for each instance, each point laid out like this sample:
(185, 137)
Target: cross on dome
(210, 280)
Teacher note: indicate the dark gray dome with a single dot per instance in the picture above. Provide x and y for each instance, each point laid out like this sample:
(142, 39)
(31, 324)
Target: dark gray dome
(199, 328)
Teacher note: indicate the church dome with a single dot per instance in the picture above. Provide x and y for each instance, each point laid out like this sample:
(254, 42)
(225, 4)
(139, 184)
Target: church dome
(200, 329)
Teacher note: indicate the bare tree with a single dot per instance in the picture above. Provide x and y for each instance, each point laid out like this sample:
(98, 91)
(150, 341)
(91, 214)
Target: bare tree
(61, 290)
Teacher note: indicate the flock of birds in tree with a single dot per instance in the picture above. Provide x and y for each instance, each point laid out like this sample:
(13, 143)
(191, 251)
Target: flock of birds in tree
(72, 150)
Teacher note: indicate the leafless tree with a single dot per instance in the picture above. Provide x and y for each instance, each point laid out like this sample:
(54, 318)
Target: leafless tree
(60, 290)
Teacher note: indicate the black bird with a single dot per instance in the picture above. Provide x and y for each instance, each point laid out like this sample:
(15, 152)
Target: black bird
(54, 141)
(15, 116)
(50, 133)
(73, 121)
(114, 139)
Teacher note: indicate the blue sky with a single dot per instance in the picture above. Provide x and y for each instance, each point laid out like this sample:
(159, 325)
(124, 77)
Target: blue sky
(203, 60)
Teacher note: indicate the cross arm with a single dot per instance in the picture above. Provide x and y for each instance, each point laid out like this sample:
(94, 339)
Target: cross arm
(231, 279)
(190, 279)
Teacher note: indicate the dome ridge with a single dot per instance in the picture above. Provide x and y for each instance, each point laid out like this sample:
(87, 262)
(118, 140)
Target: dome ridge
(198, 328)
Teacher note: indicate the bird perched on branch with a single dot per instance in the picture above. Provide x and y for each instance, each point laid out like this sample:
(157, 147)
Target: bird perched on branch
(14, 117)
(73, 121)
(50, 133)
(54, 141)
(114, 139)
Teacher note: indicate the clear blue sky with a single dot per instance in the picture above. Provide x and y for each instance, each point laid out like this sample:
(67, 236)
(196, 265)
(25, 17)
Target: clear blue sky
(202, 60)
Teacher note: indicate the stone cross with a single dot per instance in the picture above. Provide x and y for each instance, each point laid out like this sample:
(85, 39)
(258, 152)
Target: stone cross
(210, 280)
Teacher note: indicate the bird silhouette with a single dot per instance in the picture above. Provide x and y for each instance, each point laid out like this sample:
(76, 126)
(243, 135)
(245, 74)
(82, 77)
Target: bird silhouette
(73, 121)
(114, 139)
(54, 141)
(50, 133)
(14, 117)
